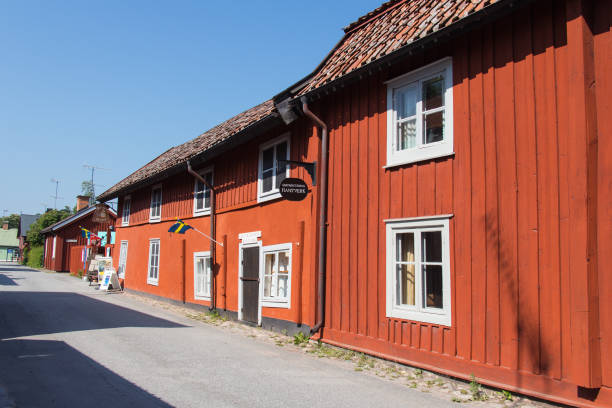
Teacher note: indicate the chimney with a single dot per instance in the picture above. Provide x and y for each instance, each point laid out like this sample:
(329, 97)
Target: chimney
(5, 225)
(82, 202)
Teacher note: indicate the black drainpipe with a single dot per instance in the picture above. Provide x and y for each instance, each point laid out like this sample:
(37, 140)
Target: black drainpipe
(322, 217)
(213, 256)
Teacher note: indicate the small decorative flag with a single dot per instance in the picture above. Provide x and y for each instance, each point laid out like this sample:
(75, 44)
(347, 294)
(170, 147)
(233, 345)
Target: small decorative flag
(179, 227)
(85, 233)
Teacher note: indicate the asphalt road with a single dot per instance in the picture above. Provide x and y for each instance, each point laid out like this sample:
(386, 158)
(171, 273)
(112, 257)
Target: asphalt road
(64, 344)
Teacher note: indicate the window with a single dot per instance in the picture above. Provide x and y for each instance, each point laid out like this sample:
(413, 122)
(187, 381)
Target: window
(271, 172)
(125, 212)
(202, 273)
(201, 194)
(419, 114)
(276, 275)
(153, 274)
(123, 251)
(156, 204)
(54, 244)
(418, 270)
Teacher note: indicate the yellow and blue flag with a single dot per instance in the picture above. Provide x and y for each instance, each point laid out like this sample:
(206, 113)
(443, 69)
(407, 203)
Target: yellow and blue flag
(179, 227)
(85, 233)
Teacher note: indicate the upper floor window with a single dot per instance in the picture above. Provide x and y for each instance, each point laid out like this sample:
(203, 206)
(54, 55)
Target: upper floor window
(156, 204)
(276, 275)
(201, 194)
(271, 171)
(419, 114)
(418, 270)
(125, 212)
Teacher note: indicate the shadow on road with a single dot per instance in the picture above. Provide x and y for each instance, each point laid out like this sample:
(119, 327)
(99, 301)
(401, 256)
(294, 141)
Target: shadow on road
(46, 373)
(33, 313)
(8, 280)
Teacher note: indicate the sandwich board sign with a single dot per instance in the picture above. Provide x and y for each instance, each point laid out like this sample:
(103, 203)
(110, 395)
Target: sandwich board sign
(110, 279)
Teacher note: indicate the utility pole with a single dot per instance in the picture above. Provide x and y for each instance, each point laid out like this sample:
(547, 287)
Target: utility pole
(55, 197)
(92, 199)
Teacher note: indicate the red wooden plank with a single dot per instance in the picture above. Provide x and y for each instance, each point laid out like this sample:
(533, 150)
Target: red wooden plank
(491, 203)
(426, 190)
(478, 214)
(548, 191)
(444, 187)
(353, 208)
(528, 313)
(410, 191)
(462, 237)
(374, 165)
(383, 197)
(425, 337)
(506, 154)
(346, 204)
(362, 218)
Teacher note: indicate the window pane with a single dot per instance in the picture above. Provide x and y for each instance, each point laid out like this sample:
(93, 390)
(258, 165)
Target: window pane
(268, 159)
(406, 135)
(431, 246)
(207, 277)
(433, 93)
(405, 247)
(405, 284)
(433, 285)
(267, 180)
(283, 262)
(406, 102)
(433, 127)
(199, 201)
(267, 285)
(281, 169)
(282, 285)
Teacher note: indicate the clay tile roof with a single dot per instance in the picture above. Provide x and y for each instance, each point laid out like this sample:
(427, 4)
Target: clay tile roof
(180, 154)
(388, 28)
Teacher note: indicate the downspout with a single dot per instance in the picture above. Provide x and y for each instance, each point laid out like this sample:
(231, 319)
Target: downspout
(322, 217)
(213, 257)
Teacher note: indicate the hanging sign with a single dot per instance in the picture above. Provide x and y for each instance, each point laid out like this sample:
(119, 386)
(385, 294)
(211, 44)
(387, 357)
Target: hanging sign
(293, 189)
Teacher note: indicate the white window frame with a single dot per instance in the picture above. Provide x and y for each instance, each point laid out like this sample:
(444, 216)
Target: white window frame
(418, 312)
(126, 210)
(158, 217)
(122, 259)
(421, 151)
(54, 245)
(151, 280)
(269, 301)
(196, 295)
(274, 193)
(206, 210)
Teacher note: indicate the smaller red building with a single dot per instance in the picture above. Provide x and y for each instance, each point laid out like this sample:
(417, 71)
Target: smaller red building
(63, 239)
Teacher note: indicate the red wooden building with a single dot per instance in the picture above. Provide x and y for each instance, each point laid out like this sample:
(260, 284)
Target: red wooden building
(65, 249)
(467, 198)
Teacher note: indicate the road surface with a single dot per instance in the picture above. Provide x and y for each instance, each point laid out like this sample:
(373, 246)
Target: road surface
(64, 344)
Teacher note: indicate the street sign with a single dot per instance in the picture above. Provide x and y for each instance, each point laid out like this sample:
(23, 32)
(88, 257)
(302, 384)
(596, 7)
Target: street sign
(293, 189)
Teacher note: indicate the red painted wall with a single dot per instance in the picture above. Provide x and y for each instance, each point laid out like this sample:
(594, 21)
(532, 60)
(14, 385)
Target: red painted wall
(529, 188)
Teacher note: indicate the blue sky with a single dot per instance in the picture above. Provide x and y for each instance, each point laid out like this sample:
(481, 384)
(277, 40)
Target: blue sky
(115, 83)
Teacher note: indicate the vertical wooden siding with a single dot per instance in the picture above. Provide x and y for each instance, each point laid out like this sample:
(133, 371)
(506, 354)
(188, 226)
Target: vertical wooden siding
(507, 186)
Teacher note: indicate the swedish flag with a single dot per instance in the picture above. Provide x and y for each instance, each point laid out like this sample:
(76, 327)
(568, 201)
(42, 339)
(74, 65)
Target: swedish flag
(85, 233)
(179, 227)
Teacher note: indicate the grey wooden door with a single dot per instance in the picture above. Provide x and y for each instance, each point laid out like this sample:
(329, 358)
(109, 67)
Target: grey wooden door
(250, 284)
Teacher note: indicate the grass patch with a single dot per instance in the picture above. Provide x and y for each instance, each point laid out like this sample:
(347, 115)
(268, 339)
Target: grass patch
(300, 339)
(213, 317)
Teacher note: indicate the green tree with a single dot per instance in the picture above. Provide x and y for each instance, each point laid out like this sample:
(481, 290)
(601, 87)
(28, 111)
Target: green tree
(13, 220)
(34, 237)
(87, 188)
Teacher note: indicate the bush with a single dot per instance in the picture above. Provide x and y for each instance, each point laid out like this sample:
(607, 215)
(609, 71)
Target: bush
(35, 257)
